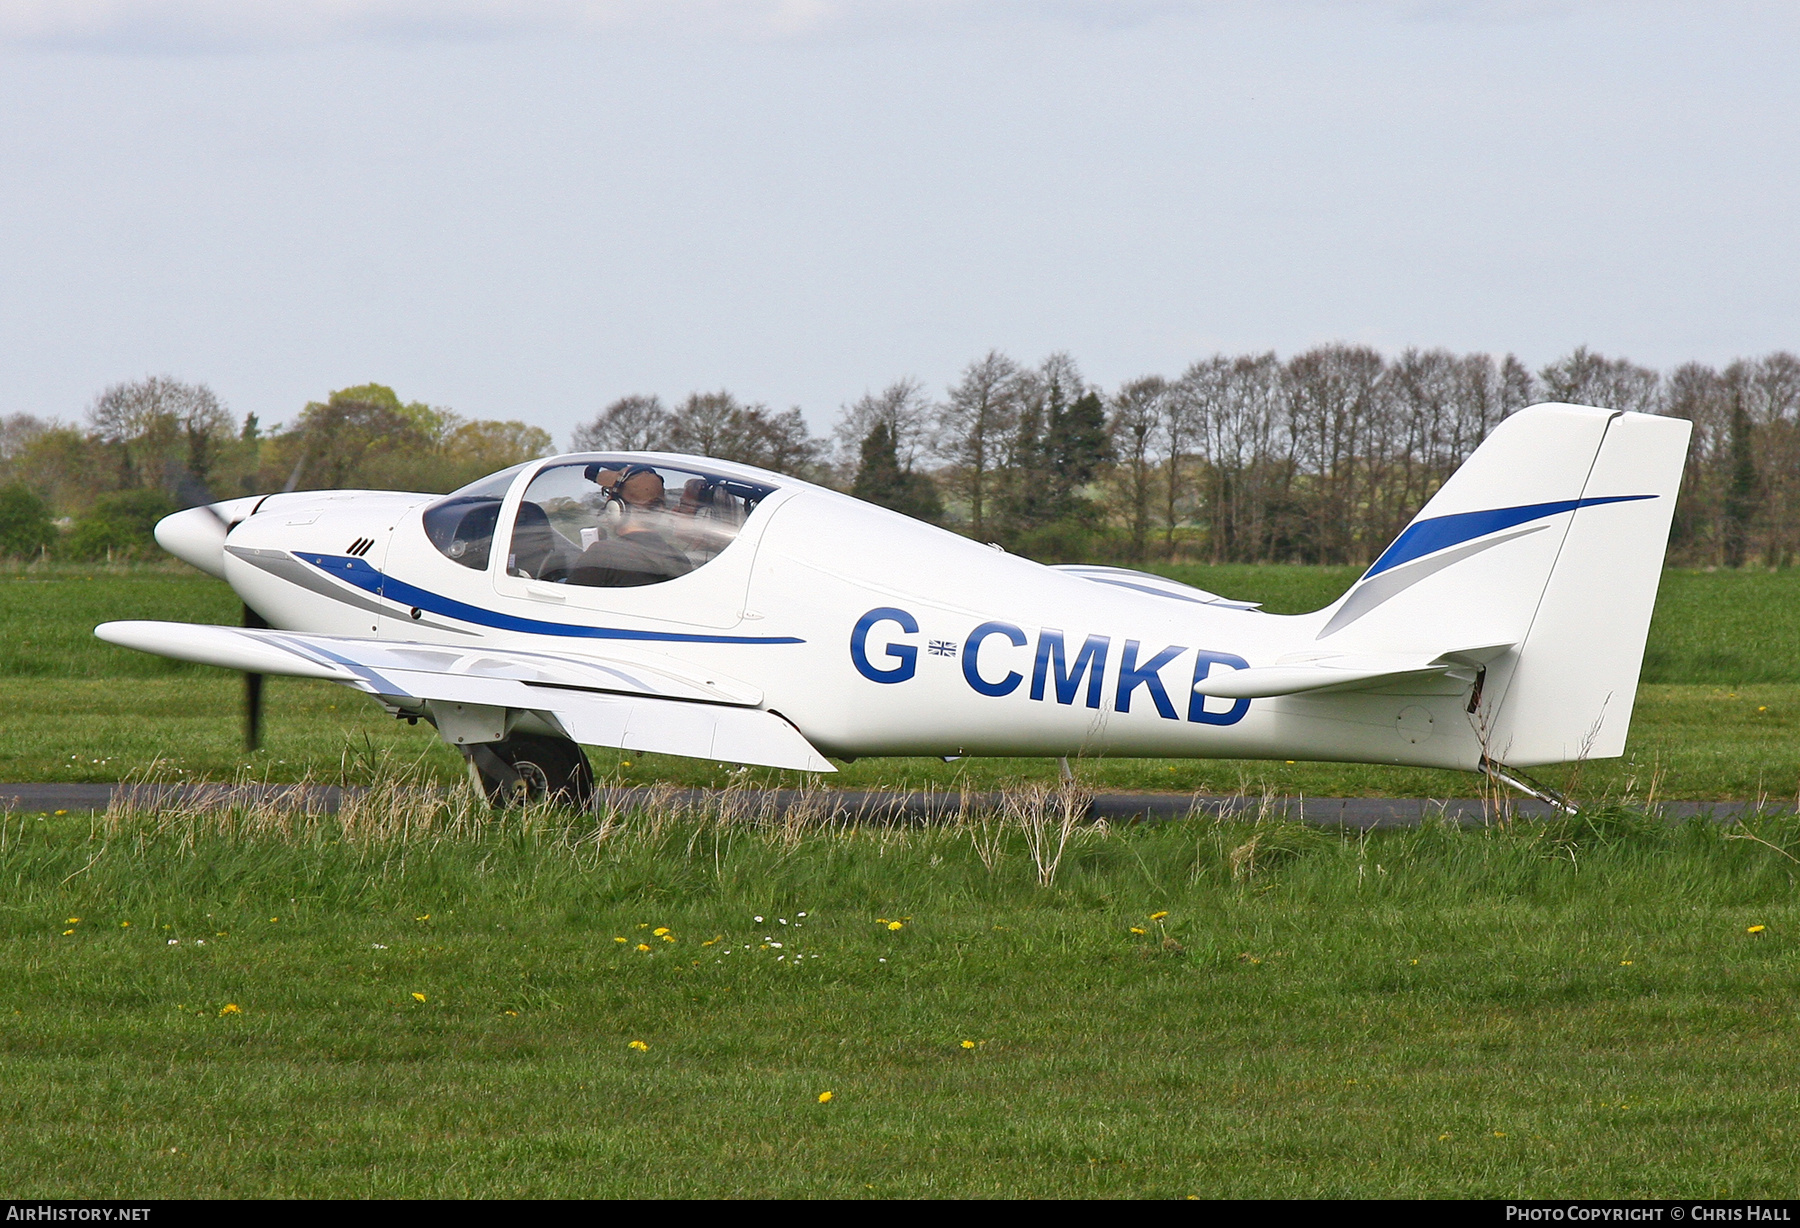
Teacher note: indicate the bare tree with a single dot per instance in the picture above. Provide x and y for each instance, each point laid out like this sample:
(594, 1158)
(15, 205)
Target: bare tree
(1334, 400)
(1694, 391)
(17, 431)
(1184, 407)
(629, 424)
(903, 407)
(707, 424)
(1137, 415)
(1583, 377)
(974, 424)
(1775, 408)
(781, 442)
(160, 429)
(718, 425)
(1518, 388)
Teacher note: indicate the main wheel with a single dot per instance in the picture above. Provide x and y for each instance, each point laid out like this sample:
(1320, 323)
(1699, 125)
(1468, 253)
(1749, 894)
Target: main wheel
(531, 768)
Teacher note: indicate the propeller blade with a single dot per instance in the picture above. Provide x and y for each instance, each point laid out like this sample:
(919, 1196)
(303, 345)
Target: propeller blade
(253, 689)
(192, 491)
(252, 711)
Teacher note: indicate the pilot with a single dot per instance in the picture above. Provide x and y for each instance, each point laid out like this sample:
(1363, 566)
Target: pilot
(641, 549)
(635, 487)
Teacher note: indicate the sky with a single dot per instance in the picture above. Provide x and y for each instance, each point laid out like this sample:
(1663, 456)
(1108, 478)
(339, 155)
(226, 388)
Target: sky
(528, 209)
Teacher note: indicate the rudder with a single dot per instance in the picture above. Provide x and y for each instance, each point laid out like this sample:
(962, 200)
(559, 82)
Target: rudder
(1571, 693)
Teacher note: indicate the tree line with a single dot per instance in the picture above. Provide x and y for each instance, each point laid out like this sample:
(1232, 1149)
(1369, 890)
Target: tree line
(152, 446)
(1321, 457)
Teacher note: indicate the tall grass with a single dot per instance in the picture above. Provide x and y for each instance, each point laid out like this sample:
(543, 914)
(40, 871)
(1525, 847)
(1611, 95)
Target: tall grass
(732, 843)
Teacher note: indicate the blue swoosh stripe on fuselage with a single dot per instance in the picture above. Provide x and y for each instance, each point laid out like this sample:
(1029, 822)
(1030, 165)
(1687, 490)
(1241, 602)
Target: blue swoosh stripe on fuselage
(1442, 532)
(355, 571)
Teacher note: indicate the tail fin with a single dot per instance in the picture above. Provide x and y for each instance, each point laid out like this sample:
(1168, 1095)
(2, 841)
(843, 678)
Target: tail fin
(1549, 538)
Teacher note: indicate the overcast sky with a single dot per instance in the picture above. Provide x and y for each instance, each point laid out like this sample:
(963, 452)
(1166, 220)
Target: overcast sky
(527, 209)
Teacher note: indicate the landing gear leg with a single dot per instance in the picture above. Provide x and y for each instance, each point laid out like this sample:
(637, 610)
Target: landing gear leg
(532, 768)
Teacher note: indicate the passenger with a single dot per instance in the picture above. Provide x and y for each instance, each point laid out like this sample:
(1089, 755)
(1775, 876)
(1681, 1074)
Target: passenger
(706, 517)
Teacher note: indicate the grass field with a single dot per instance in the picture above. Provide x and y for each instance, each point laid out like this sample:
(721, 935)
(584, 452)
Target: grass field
(420, 997)
(420, 1003)
(1718, 716)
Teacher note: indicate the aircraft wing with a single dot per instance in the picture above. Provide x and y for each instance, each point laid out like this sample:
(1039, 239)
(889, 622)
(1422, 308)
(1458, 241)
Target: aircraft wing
(665, 707)
(1319, 674)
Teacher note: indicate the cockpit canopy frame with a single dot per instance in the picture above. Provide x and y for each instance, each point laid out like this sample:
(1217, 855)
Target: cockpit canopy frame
(599, 520)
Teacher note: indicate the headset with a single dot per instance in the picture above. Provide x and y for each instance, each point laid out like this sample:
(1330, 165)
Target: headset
(592, 474)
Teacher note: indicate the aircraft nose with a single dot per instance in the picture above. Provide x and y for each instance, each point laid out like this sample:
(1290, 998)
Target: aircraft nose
(195, 536)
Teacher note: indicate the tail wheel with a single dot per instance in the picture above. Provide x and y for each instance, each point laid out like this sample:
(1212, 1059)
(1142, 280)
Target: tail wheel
(531, 768)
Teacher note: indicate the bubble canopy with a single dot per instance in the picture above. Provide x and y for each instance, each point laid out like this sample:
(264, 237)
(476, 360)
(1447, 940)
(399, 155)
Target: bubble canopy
(599, 520)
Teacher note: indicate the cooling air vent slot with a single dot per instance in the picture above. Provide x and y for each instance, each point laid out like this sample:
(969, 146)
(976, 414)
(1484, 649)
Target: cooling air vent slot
(360, 546)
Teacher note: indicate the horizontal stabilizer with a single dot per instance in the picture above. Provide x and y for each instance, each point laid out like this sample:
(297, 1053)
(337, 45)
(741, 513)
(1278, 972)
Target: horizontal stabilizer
(1147, 582)
(1318, 673)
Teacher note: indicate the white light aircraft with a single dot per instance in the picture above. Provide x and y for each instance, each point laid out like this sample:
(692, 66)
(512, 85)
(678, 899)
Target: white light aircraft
(693, 607)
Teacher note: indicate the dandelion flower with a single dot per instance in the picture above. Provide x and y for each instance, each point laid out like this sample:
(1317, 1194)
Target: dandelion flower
(716, 938)
(425, 917)
(66, 933)
(824, 1097)
(274, 920)
(62, 812)
(1158, 916)
(418, 997)
(660, 930)
(124, 925)
(668, 938)
(72, 921)
(230, 1008)
(1756, 929)
(514, 1014)
(1624, 963)
(639, 1045)
(643, 946)
(894, 925)
(618, 940)
(968, 1044)
(1137, 930)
